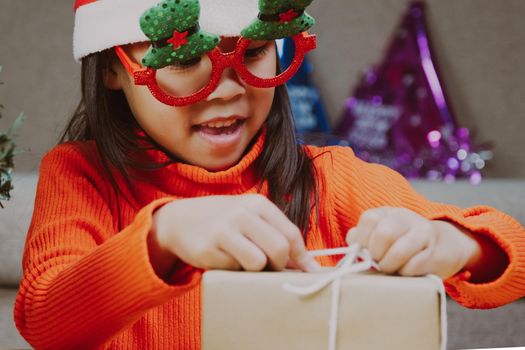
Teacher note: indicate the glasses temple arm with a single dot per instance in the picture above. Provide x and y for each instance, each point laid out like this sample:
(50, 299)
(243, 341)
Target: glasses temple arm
(130, 66)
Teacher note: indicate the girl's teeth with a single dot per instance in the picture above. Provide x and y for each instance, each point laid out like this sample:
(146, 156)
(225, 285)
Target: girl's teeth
(220, 124)
(210, 129)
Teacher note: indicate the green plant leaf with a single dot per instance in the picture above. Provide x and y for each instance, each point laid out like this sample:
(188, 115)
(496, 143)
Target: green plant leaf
(17, 123)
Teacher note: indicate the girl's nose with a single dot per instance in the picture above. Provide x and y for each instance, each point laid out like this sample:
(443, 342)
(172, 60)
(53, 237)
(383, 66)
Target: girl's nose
(229, 87)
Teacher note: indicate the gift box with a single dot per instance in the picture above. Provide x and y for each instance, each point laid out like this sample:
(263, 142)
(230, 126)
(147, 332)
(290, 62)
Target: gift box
(246, 310)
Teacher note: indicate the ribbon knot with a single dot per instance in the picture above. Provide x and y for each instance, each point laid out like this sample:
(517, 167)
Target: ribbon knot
(355, 260)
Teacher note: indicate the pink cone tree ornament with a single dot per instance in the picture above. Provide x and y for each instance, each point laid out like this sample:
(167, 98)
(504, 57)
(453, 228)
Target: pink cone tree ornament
(399, 115)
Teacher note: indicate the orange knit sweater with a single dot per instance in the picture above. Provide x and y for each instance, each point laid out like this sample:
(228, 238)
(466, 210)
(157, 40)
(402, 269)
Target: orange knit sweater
(88, 281)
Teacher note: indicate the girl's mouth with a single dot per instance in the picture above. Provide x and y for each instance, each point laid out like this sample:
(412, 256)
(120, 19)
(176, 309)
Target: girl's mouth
(221, 134)
(219, 128)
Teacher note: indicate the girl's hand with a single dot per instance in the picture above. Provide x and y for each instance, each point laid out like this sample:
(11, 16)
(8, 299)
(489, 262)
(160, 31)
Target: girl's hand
(227, 232)
(404, 242)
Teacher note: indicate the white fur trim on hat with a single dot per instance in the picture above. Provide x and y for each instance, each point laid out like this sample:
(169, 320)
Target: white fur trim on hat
(102, 24)
(227, 17)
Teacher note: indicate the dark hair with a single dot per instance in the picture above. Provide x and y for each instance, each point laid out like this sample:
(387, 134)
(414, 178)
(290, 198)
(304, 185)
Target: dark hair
(103, 115)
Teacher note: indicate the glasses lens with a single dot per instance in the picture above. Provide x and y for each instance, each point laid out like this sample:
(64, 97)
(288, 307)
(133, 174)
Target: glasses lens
(182, 79)
(260, 59)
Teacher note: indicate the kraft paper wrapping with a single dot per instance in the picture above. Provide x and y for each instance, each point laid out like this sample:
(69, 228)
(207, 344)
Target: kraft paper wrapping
(245, 310)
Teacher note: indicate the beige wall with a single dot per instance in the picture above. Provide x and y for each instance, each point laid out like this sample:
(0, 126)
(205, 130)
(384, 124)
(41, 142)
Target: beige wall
(479, 45)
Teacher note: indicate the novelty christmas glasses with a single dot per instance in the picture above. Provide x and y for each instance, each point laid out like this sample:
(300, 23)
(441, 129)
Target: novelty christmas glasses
(184, 63)
(185, 83)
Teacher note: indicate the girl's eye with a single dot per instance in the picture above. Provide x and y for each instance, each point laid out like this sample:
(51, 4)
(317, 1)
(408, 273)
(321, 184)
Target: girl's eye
(257, 51)
(180, 66)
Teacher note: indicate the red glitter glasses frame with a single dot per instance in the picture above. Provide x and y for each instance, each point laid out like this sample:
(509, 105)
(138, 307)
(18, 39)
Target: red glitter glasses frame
(304, 43)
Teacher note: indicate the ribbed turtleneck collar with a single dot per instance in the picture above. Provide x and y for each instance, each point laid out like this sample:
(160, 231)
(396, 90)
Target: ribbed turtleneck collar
(189, 180)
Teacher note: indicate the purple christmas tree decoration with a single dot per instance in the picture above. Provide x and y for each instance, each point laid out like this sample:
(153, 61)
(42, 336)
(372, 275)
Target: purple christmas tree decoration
(399, 115)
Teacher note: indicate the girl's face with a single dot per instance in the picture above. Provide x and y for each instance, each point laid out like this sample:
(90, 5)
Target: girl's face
(213, 133)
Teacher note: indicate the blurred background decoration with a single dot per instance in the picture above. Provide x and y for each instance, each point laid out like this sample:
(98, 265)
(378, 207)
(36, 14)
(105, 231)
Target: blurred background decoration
(399, 114)
(7, 154)
(311, 121)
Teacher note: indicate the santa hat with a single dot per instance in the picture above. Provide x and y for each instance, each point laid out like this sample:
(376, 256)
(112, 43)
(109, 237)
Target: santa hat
(102, 24)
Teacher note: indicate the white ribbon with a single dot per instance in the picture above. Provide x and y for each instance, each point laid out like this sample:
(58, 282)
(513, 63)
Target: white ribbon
(350, 264)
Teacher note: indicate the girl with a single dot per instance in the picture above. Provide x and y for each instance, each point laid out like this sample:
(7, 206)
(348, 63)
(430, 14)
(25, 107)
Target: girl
(182, 157)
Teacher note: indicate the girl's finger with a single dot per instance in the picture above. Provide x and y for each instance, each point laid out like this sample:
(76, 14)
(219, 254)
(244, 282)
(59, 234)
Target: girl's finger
(407, 246)
(270, 213)
(245, 252)
(361, 232)
(418, 265)
(218, 259)
(383, 236)
(274, 245)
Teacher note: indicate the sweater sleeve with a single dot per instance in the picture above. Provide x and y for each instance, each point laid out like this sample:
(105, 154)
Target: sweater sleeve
(82, 281)
(360, 186)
